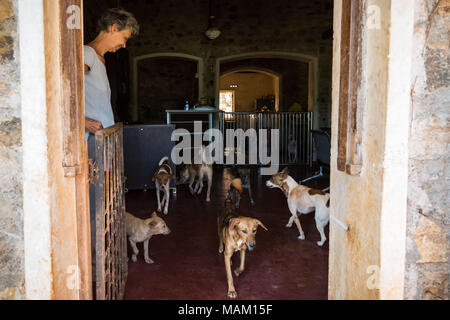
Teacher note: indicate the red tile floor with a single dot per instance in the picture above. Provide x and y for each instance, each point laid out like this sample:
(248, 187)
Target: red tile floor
(187, 263)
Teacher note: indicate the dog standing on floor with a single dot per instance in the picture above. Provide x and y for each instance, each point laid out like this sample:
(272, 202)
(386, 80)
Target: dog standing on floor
(140, 230)
(196, 173)
(236, 233)
(303, 200)
(244, 175)
(162, 176)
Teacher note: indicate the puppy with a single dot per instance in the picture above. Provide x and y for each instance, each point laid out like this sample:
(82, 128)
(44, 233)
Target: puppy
(303, 200)
(162, 176)
(244, 175)
(236, 233)
(196, 173)
(139, 230)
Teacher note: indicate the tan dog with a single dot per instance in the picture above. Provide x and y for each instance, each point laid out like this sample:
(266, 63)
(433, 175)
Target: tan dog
(140, 230)
(197, 172)
(303, 200)
(162, 176)
(235, 233)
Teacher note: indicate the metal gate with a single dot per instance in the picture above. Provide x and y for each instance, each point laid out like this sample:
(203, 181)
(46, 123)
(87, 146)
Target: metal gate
(295, 141)
(111, 266)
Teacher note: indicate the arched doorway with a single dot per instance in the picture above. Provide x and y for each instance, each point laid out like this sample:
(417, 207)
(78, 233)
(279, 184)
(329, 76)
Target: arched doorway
(252, 89)
(310, 84)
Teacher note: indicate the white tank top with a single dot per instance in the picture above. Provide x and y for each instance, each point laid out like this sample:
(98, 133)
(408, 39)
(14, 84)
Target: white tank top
(97, 92)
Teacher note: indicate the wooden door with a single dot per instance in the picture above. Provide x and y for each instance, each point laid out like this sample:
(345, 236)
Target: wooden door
(75, 162)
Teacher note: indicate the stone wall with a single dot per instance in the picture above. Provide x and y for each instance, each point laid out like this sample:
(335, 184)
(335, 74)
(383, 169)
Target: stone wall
(173, 26)
(11, 213)
(165, 84)
(428, 225)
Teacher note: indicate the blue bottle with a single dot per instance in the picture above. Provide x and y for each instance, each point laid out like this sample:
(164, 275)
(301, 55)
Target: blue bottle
(186, 107)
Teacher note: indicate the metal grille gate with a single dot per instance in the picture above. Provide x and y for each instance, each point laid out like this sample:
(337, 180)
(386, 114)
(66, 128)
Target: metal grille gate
(295, 141)
(111, 267)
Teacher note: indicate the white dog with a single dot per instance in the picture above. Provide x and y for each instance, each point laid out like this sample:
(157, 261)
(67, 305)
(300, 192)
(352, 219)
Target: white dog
(140, 230)
(162, 176)
(303, 200)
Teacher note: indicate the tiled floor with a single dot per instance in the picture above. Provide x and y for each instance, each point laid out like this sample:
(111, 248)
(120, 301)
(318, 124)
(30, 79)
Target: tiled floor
(187, 263)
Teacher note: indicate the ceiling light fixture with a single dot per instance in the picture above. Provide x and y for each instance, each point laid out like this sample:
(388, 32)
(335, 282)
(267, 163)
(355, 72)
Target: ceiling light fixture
(212, 32)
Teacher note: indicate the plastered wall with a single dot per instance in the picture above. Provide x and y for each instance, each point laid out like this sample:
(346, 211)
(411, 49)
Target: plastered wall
(357, 200)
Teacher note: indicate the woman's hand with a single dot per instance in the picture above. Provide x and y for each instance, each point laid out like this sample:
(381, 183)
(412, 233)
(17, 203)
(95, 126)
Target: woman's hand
(92, 125)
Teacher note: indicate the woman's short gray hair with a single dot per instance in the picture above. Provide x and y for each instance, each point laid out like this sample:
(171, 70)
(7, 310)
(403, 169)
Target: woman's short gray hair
(120, 17)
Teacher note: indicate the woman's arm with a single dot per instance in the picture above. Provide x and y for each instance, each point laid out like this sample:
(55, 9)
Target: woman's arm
(92, 125)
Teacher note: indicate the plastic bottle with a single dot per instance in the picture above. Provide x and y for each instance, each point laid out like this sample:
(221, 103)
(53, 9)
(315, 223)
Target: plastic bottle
(186, 106)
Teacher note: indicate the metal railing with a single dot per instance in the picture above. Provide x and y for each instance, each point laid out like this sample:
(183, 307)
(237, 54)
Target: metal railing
(111, 267)
(295, 141)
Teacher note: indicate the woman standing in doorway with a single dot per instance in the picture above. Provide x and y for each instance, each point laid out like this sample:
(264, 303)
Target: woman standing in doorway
(114, 28)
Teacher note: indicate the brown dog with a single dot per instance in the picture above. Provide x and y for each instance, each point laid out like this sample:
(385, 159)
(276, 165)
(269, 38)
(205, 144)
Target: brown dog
(162, 176)
(235, 233)
(140, 230)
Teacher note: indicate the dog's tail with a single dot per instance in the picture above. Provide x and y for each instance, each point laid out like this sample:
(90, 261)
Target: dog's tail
(163, 159)
(235, 188)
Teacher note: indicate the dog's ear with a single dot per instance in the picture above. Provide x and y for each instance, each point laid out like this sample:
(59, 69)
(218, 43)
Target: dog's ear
(259, 223)
(153, 178)
(233, 223)
(284, 173)
(152, 223)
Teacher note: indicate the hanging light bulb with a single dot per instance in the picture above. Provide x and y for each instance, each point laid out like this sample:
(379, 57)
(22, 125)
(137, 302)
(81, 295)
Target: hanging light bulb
(212, 32)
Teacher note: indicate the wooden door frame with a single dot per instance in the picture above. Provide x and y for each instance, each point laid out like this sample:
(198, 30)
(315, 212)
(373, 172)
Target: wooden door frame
(57, 250)
(367, 261)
